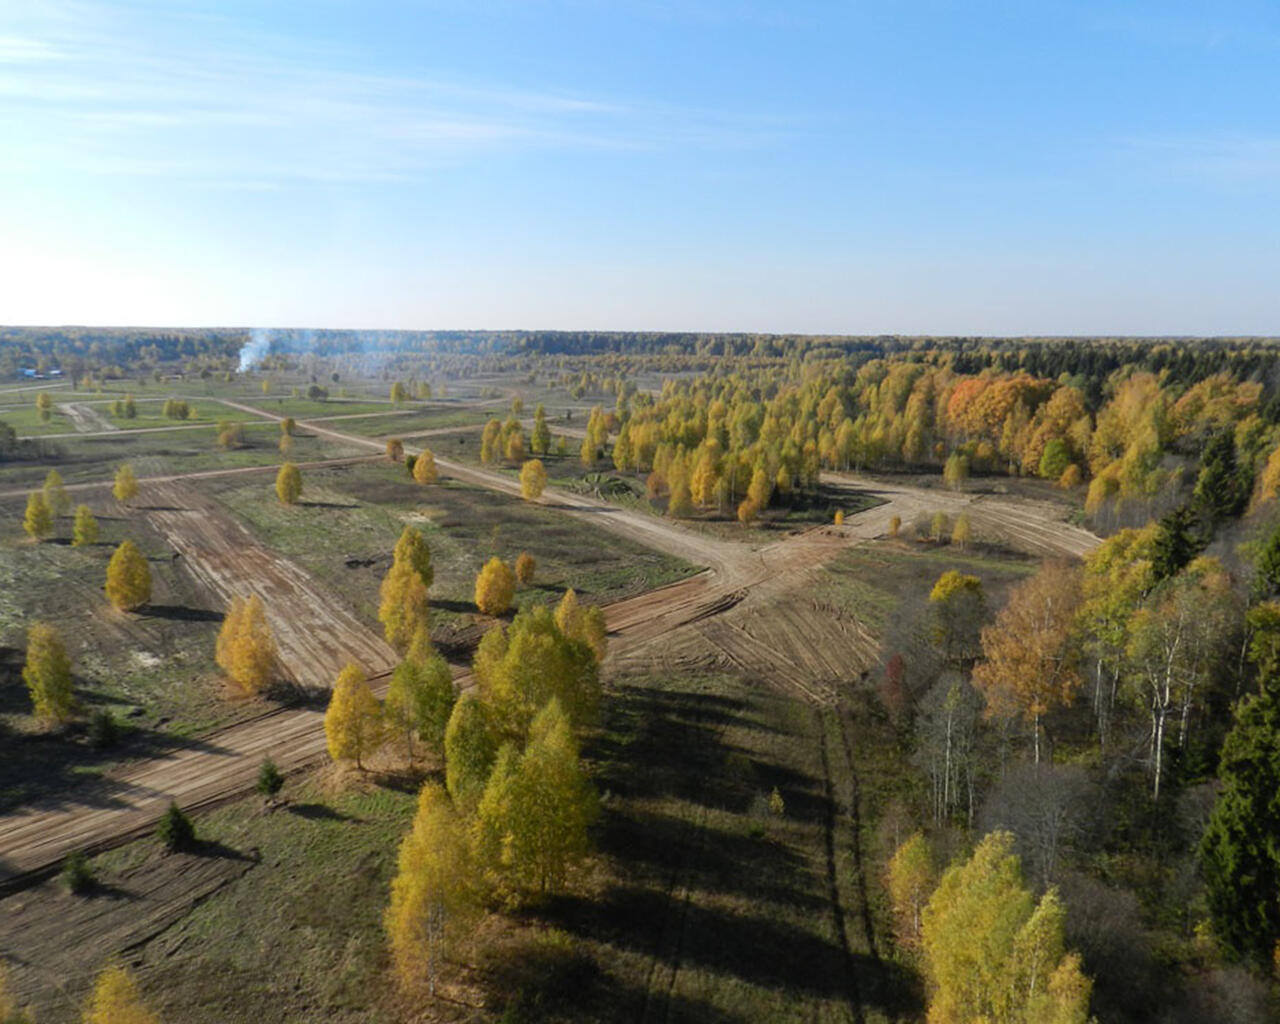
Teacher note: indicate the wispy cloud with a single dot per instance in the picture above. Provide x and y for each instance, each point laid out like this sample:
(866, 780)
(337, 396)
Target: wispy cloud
(142, 90)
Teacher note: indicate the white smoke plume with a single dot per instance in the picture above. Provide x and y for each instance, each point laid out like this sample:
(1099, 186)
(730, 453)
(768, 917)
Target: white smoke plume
(258, 345)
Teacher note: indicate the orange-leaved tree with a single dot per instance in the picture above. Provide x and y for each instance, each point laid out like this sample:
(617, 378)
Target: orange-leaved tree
(1031, 653)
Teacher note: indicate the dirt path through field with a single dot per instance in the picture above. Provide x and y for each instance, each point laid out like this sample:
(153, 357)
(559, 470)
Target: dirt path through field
(1023, 524)
(86, 419)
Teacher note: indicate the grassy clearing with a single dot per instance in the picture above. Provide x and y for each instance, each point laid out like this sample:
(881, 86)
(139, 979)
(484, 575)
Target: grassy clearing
(360, 511)
(301, 408)
(435, 418)
(27, 422)
(94, 459)
(153, 670)
(299, 937)
(150, 414)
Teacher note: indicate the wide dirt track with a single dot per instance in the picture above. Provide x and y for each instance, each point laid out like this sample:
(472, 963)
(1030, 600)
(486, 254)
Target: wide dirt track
(751, 610)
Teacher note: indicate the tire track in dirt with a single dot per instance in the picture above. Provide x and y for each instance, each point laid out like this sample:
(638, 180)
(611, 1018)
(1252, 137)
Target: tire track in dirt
(156, 893)
(314, 633)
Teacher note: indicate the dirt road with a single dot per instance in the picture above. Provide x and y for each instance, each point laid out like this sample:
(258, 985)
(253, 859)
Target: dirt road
(1023, 524)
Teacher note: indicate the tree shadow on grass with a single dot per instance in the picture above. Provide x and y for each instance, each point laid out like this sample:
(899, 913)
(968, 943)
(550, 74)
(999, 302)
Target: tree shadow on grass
(538, 978)
(320, 812)
(762, 951)
(59, 767)
(215, 849)
(457, 607)
(181, 613)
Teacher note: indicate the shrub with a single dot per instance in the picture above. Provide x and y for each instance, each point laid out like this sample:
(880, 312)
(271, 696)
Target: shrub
(77, 875)
(270, 779)
(175, 830)
(104, 730)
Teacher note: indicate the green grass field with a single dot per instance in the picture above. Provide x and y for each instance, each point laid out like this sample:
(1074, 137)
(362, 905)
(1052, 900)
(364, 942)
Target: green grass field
(434, 418)
(94, 459)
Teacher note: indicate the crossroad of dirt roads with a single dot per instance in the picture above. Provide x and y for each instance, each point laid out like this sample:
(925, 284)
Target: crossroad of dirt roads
(750, 608)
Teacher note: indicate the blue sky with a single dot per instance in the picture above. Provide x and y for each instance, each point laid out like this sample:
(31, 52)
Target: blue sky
(913, 167)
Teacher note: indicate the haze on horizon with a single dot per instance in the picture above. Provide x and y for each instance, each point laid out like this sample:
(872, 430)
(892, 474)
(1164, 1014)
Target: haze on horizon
(924, 168)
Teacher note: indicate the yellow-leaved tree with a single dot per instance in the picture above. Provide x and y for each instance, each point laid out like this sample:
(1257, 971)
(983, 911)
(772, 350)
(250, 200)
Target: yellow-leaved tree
(84, 530)
(421, 694)
(246, 648)
(431, 895)
(584, 624)
(495, 587)
(518, 670)
(38, 521)
(533, 479)
(403, 607)
(353, 724)
(47, 673)
(526, 566)
(55, 493)
(125, 488)
(910, 881)
(470, 746)
(10, 1011)
(116, 1000)
(992, 953)
(128, 577)
(531, 823)
(959, 607)
(288, 484)
(424, 467)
